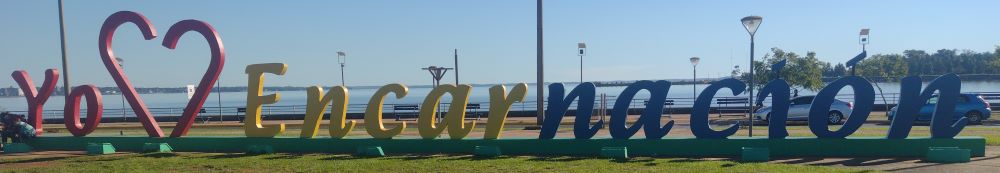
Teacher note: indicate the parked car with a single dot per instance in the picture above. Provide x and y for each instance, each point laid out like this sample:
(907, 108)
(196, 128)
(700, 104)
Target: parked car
(969, 105)
(799, 110)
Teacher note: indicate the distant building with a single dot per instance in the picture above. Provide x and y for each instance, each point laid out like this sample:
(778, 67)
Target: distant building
(11, 92)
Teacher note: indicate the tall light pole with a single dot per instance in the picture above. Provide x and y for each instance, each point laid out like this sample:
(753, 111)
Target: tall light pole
(582, 50)
(121, 63)
(342, 59)
(751, 23)
(218, 92)
(62, 46)
(540, 71)
(694, 77)
(863, 36)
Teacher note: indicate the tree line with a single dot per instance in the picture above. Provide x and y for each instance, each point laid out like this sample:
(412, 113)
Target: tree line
(806, 71)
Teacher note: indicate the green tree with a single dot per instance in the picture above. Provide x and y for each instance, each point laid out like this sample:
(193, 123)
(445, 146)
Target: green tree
(993, 62)
(804, 72)
(892, 66)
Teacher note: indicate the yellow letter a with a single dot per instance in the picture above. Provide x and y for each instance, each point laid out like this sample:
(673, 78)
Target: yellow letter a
(455, 117)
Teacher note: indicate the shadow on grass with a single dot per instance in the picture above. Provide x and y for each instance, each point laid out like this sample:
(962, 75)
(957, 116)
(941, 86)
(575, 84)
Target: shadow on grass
(864, 161)
(284, 156)
(409, 157)
(229, 156)
(103, 158)
(475, 158)
(44, 159)
(936, 164)
(557, 158)
(685, 160)
(646, 160)
(158, 155)
(339, 157)
(798, 160)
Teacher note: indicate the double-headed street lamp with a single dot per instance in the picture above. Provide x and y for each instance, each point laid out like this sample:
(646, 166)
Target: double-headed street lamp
(751, 23)
(437, 73)
(342, 59)
(694, 77)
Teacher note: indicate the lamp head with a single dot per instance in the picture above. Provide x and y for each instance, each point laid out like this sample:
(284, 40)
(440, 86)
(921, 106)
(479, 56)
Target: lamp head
(341, 57)
(751, 23)
(864, 35)
(695, 60)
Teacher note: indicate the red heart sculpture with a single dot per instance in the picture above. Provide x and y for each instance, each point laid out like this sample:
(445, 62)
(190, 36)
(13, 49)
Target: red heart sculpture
(173, 34)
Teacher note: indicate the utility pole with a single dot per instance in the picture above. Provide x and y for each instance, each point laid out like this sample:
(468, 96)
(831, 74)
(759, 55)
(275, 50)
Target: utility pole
(540, 78)
(456, 67)
(62, 41)
(218, 92)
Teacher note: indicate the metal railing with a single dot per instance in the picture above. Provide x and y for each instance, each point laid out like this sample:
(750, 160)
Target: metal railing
(677, 102)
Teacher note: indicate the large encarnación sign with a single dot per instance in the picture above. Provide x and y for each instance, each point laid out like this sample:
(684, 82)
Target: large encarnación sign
(706, 141)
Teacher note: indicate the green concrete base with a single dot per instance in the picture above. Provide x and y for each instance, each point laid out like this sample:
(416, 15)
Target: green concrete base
(617, 153)
(486, 151)
(750, 154)
(156, 148)
(259, 149)
(100, 148)
(11, 148)
(370, 151)
(947, 155)
(668, 147)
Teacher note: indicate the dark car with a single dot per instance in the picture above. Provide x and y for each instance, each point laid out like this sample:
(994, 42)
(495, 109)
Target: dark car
(971, 106)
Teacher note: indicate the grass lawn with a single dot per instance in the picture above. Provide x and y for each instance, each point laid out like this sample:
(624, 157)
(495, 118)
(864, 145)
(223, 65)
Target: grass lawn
(222, 162)
(991, 133)
(213, 162)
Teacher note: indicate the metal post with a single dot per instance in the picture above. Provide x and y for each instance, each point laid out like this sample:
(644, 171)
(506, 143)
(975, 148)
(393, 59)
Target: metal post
(218, 92)
(342, 59)
(342, 83)
(62, 41)
(694, 82)
(124, 118)
(456, 67)
(581, 69)
(540, 78)
(751, 103)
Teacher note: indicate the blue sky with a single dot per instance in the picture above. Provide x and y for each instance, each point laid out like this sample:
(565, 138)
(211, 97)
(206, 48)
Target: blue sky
(387, 41)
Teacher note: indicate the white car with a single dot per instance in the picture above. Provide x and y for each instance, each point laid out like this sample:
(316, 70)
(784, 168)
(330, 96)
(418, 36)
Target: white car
(799, 110)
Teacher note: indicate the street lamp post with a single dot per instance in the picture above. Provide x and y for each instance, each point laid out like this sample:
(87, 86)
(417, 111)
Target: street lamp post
(539, 66)
(437, 73)
(864, 52)
(582, 50)
(121, 92)
(694, 77)
(342, 59)
(864, 38)
(751, 23)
